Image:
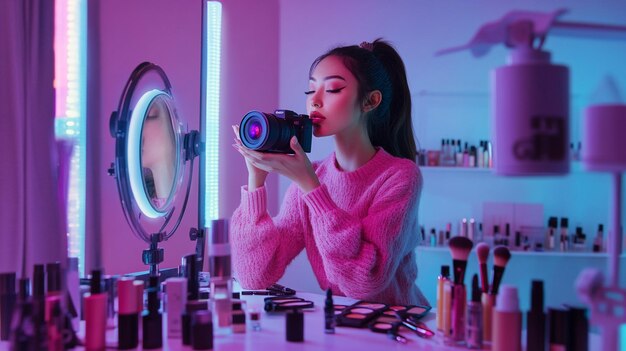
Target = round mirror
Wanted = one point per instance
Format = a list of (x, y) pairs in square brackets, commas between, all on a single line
[(149, 154)]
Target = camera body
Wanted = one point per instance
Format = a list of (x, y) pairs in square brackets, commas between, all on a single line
[(271, 132)]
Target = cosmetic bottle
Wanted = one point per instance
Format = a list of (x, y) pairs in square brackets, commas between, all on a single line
[(497, 237), (564, 235), (598, 242), (471, 230), (551, 235), (447, 308), (176, 297), (441, 281), (152, 321), (294, 325), (459, 154), (221, 280), (254, 318), (507, 321), (54, 323), (466, 156), (329, 313), (558, 329), (72, 281), (536, 319), (39, 303), (472, 156), (8, 299), (474, 328), (239, 318), (193, 304), (202, 331), (457, 316), (22, 336), (110, 285), (489, 154), (95, 314), (53, 275), (127, 317), (488, 302), (480, 159), (579, 240), (433, 237), (463, 227), (578, 327), (506, 241)]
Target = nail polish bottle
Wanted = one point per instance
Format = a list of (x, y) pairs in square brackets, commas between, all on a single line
[(95, 314)]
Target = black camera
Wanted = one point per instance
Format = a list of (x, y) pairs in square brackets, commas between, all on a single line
[(271, 132)]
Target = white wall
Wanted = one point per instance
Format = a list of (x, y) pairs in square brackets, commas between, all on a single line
[(420, 28)]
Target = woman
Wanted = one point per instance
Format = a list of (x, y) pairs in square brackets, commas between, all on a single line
[(354, 212)]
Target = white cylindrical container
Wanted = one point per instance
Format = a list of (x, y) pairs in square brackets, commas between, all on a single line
[(530, 115)]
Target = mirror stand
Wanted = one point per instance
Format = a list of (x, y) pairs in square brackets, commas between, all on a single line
[(154, 255)]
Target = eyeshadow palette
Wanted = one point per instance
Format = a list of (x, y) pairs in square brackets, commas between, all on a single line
[(280, 303), (361, 313)]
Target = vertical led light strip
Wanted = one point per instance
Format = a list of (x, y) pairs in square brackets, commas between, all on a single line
[(212, 123), (70, 83)]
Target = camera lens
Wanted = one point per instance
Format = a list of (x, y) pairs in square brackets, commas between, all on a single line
[(254, 130)]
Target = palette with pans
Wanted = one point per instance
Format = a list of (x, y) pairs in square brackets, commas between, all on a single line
[(359, 314)]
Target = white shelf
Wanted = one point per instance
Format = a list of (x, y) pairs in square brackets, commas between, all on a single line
[(445, 249), (455, 169)]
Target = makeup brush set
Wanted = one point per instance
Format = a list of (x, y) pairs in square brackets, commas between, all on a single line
[(463, 323)]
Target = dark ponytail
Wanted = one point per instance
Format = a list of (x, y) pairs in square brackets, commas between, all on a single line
[(377, 66)]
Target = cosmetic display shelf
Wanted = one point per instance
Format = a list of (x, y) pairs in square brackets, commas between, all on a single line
[(604, 255), (455, 169)]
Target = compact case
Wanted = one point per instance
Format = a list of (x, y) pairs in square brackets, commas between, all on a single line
[(281, 304)]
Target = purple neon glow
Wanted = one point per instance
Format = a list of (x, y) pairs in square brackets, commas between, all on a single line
[(254, 131)]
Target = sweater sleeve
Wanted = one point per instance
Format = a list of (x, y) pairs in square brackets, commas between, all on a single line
[(263, 246), (362, 255)]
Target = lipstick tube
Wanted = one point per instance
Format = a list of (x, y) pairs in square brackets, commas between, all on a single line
[(95, 314), (127, 317)]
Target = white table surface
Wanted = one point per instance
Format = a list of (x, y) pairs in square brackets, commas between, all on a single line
[(272, 334)]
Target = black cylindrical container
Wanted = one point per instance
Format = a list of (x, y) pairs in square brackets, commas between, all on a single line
[(578, 338), (153, 322), (8, 298), (536, 319), (558, 328), (191, 307), (202, 330), (295, 326)]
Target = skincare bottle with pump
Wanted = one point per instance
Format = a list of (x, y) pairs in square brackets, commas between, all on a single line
[(441, 281), (507, 321), (95, 314)]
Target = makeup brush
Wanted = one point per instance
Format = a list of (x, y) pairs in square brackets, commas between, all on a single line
[(482, 251), (501, 256), (460, 247)]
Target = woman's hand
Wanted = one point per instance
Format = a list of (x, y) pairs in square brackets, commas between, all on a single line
[(256, 176), (296, 167)]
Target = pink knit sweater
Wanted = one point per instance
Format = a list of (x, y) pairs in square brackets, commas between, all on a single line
[(359, 230)]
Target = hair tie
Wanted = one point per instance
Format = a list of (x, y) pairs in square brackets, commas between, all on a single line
[(367, 46)]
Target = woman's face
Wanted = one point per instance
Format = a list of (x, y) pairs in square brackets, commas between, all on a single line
[(332, 98)]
